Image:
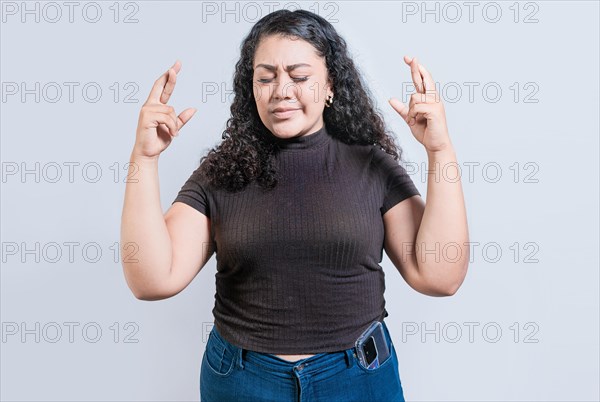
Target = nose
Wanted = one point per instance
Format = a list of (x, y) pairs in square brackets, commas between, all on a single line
[(285, 88)]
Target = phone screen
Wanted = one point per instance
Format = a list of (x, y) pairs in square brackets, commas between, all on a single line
[(370, 352), (371, 346)]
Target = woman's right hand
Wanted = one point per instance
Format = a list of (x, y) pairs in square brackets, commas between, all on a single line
[(158, 123)]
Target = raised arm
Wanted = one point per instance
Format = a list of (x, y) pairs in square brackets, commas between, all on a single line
[(160, 254), (428, 242)]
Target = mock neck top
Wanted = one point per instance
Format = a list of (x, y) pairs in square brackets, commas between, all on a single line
[(298, 267), (308, 141)]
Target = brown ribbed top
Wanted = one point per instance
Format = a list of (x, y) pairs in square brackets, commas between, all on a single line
[(298, 266)]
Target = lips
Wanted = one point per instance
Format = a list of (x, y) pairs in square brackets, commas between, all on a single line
[(283, 109), (284, 113)]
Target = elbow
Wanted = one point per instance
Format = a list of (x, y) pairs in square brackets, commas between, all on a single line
[(439, 291), (452, 288), (450, 291), (142, 295), (145, 289), (445, 291), (448, 286), (149, 296), (146, 293)]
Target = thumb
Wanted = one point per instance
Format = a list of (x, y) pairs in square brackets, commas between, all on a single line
[(399, 107), (186, 115)]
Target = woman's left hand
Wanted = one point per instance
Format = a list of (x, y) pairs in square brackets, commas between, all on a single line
[(425, 114)]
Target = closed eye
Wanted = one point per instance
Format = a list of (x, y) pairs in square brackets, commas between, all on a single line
[(298, 79)]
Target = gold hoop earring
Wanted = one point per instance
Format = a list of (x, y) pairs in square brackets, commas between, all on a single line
[(329, 100)]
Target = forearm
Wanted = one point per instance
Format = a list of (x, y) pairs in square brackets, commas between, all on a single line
[(442, 240), (145, 241)]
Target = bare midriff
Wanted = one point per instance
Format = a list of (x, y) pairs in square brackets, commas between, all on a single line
[(293, 358)]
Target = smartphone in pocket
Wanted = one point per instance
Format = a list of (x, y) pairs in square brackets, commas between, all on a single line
[(371, 346)]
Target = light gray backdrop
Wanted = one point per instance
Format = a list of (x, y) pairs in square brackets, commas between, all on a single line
[(520, 86)]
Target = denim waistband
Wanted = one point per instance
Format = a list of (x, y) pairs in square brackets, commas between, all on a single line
[(317, 363)]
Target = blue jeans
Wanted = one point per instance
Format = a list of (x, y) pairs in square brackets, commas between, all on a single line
[(231, 373)]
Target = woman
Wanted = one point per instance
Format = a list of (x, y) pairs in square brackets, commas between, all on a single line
[(298, 202)]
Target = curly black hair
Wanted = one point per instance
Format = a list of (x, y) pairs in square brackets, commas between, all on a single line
[(245, 154)]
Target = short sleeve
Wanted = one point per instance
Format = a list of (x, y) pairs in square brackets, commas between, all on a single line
[(194, 193), (397, 184)]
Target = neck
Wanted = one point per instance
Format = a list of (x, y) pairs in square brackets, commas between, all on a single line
[(307, 141)]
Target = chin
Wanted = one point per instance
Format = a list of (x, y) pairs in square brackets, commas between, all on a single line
[(286, 128)]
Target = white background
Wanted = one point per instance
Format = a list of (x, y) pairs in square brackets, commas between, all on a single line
[(541, 292)]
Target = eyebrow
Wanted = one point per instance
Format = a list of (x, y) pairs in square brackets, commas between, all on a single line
[(288, 68)]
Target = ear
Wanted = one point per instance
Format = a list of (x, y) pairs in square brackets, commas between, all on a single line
[(329, 86)]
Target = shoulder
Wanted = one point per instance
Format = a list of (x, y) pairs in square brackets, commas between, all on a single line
[(380, 157), (385, 163), (372, 156), (199, 182), (363, 153)]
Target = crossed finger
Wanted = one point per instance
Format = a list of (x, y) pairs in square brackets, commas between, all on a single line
[(163, 87), (421, 77)]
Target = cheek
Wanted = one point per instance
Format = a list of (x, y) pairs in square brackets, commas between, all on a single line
[(311, 104), (262, 101), (315, 97), (258, 97), (261, 93)]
